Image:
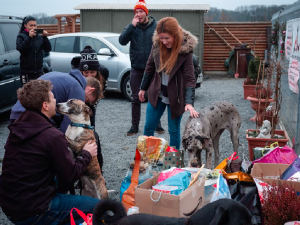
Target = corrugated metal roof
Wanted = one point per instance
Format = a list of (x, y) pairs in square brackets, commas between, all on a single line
[(117, 6)]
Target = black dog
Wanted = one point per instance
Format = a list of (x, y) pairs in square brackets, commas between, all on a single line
[(221, 212)]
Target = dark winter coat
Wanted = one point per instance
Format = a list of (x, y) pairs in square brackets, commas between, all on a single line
[(31, 49), (182, 82), (36, 152), (140, 42)]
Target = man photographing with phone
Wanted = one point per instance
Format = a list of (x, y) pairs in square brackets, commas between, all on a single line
[(31, 42)]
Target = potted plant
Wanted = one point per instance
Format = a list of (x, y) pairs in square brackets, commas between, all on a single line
[(270, 92), (253, 78), (281, 204)]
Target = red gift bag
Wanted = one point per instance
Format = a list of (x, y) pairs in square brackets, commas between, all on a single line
[(87, 218)]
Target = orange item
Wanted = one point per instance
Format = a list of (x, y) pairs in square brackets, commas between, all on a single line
[(128, 195), (238, 176)]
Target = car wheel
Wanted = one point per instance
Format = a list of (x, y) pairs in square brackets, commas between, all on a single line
[(126, 89)]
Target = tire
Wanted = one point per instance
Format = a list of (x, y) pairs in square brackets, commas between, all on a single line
[(126, 89)]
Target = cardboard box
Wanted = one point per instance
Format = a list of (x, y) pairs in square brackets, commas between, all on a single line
[(271, 172), (183, 205)]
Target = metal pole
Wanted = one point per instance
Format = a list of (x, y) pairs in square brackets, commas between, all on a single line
[(297, 138)]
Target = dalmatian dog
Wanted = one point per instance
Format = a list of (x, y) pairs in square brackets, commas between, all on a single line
[(204, 132)]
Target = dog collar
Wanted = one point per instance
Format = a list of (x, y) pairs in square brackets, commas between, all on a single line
[(82, 125)]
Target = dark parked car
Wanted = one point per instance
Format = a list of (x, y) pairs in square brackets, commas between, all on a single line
[(10, 61)]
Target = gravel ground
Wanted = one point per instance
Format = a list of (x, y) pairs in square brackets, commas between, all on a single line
[(114, 120)]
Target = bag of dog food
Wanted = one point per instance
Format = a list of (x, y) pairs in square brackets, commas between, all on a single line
[(151, 148)]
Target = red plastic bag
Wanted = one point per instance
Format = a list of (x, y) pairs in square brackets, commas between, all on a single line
[(284, 155), (168, 173), (87, 218)]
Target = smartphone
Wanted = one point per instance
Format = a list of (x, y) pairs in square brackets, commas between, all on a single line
[(39, 31)]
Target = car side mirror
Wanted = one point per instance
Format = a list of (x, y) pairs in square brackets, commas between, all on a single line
[(105, 51)]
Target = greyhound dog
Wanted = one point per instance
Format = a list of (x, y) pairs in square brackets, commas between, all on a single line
[(78, 133), (204, 132)]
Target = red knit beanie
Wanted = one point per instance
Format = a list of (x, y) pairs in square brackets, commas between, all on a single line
[(141, 4)]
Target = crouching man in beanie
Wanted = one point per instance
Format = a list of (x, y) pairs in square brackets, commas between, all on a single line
[(36, 153), (139, 32)]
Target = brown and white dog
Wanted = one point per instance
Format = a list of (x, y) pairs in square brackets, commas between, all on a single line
[(92, 180), (204, 132)]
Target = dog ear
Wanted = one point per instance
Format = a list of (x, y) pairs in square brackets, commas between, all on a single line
[(220, 217), (88, 110)]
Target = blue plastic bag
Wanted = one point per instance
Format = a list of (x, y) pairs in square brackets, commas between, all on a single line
[(222, 190), (175, 184), (292, 170)]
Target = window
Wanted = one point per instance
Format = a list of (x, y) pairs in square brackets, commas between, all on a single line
[(94, 43), (64, 44), (52, 42), (10, 33), (2, 49), (115, 41)]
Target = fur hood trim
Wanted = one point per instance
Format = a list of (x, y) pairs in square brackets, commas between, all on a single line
[(189, 41)]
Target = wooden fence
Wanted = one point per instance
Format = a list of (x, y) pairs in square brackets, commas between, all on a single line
[(219, 40)]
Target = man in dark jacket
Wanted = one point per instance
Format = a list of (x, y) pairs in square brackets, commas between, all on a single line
[(36, 153), (139, 32), (72, 85)]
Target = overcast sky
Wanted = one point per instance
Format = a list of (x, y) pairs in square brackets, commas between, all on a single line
[(52, 7)]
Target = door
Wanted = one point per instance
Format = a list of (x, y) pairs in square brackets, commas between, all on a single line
[(10, 32), (7, 91), (62, 54), (110, 62)]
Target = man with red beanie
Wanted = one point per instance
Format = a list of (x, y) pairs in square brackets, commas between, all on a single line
[(139, 32)]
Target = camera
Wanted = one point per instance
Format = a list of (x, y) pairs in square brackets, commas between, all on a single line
[(39, 31)]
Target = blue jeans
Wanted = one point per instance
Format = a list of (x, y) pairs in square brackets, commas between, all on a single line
[(58, 211), (153, 116)]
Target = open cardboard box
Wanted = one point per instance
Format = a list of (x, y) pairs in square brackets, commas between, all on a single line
[(270, 173), (183, 205)]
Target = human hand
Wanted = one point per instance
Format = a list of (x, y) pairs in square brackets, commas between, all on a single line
[(193, 112), (45, 33), (91, 147), (142, 95), (135, 20), (32, 33)]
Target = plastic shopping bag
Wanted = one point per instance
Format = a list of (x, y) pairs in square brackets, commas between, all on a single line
[(222, 189), (293, 171), (175, 184), (87, 218), (284, 155), (168, 173)]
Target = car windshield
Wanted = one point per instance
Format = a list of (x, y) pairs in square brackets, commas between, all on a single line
[(115, 41)]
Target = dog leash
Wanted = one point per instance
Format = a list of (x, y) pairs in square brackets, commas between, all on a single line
[(82, 125)]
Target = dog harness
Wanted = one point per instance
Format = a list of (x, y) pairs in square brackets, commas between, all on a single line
[(82, 125)]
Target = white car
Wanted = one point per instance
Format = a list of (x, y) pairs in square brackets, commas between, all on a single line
[(110, 54)]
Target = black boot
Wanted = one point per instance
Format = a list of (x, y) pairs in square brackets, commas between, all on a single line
[(159, 129), (133, 130)]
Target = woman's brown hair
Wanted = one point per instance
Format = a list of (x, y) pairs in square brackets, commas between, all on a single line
[(168, 57)]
